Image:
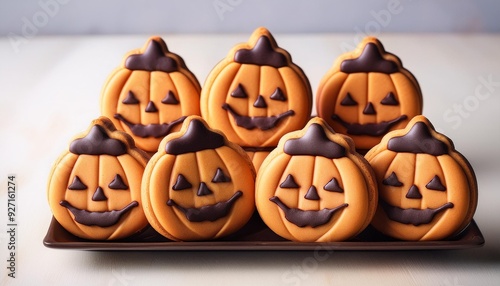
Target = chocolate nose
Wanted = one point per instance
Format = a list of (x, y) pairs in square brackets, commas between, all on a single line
[(151, 107), (260, 102), (413, 193), (369, 109), (312, 194), (99, 195), (203, 190)]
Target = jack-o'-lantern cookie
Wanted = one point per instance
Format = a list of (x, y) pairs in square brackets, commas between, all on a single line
[(368, 93), (256, 94), (198, 185), (314, 187), (150, 94), (94, 188), (427, 190)]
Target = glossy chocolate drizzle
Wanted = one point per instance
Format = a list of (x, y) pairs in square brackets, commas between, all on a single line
[(418, 140), (150, 130), (370, 129), (154, 58), (208, 212), (97, 142), (260, 122), (197, 138), (370, 60), (102, 219), (263, 54), (314, 143), (303, 218), (413, 216)]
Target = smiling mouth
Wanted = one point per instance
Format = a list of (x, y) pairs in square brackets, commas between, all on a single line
[(302, 218), (413, 216), (261, 122), (208, 212), (102, 219), (150, 130), (370, 129)]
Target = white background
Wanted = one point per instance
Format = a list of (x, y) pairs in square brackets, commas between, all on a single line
[(290, 16)]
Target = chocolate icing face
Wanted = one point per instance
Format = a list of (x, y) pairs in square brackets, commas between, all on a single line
[(260, 122), (413, 216), (302, 218), (370, 60), (196, 138), (97, 142), (418, 140), (370, 129), (149, 130), (263, 53), (102, 219), (314, 143), (207, 212), (153, 59)]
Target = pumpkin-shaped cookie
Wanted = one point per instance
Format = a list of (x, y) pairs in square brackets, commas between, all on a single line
[(314, 187), (256, 94), (427, 190), (198, 185), (94, 188), (150, 94), (367, 93)]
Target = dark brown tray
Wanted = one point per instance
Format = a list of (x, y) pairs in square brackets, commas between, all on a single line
[(255, 235)]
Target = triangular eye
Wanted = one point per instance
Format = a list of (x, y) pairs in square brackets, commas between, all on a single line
[(77, 184), (278, 95), (333, 186), (220, 177), (239, 92), (131, 99), (435, 184), (170, 98), (181, 183), (389, 99), (392, 180), (118, 184), (348, 100), (289, 183)]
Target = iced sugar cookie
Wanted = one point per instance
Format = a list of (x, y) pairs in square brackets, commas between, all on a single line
[(367, 93), (314, 187), (427, 190), (198, 185), (94, 188), (256, 94), (150, 94)]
